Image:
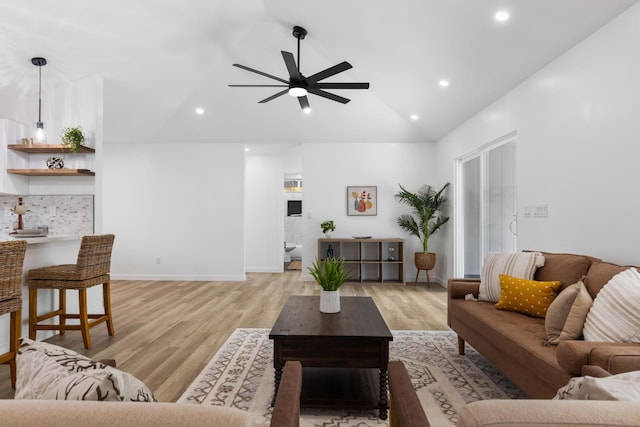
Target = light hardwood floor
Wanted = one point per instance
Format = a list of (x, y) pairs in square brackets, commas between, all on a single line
[(166, 332)]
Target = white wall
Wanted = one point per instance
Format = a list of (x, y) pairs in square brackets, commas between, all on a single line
[(264, 205), (577, 131), (182, 203), (330, 167)]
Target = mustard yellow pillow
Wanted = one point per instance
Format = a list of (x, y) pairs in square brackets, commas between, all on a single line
[(526, 296)]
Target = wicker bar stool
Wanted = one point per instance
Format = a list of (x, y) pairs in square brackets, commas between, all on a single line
[(11, 261), (92, 268)]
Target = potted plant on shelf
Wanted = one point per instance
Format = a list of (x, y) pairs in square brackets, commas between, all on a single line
[(72, 138), (425, 219), (328, 227), (330, 275)]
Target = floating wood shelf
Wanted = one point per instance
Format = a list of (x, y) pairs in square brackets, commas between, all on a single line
[(47, 148), (52, 172)]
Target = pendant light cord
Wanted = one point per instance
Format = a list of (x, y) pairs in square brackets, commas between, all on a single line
[(39, 94)]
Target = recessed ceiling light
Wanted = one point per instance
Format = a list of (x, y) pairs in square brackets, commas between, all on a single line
[(414, 117), (246, 149), (199, 111), (443, 83), (501, 16)]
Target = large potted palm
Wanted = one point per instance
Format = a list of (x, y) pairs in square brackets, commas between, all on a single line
[(425, 219)]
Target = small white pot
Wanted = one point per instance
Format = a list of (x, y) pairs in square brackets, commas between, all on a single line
[(329, 301)]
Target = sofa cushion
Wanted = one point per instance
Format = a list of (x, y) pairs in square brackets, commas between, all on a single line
[(615, 314), (567, 313), (566, 268), (526, 296), (599, 275), (521, 264), (625, 386), (50, 372)]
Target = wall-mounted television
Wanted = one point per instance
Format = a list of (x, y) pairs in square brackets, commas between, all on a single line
[(294, 207)]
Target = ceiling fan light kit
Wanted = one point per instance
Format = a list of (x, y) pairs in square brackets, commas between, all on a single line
[(300, 86)]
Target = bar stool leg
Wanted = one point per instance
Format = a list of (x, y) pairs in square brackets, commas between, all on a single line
[(106, 295), (62, 306), (84, 318), (33, 312), (14, 336)]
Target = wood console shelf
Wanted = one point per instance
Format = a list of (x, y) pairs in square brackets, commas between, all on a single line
[(367, 260), (47, 148)]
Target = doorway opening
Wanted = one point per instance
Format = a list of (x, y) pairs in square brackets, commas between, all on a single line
[(293, 221)]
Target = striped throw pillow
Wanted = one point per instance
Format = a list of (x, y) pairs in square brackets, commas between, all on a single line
[(615, 314), (521, 264)]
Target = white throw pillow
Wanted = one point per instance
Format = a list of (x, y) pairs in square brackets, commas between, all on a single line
[(522, 265), (50, 372), (625, 386), (615, 314)]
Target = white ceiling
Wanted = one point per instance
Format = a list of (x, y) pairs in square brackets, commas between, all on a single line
[(161, 59)]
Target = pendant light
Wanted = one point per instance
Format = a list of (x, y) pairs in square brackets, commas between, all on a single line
[(40, 135)]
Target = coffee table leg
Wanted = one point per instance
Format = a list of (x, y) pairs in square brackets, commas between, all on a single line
[(276, 384), (384, 402)]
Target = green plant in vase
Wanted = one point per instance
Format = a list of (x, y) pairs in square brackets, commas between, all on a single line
[(328, 227), (330, 275), (73, 138)]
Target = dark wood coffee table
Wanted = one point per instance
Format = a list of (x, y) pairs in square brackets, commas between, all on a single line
[(338, 352)]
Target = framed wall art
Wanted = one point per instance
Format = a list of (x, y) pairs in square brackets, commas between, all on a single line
[(362, 200)]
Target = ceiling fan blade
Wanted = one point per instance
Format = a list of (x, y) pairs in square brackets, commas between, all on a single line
[(261, 73), (273, 96), (328, 95), (343, 66), (304, 102), (290, 62), (258, 85), (341, 85)]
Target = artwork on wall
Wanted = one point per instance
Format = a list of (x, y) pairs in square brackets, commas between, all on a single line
[(362, 200)]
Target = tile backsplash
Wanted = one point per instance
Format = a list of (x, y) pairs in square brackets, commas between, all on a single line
[(63, 214)]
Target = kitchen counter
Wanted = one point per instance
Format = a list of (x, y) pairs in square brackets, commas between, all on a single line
[(42, 252), (46, 239)]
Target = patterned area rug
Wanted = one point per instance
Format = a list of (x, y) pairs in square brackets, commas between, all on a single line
[(240, 375)]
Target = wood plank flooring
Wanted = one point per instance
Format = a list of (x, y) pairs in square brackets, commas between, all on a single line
[(166, 332)]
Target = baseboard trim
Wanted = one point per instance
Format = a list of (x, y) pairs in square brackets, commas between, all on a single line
[(169, 277)]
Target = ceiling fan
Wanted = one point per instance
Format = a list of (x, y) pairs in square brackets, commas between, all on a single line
[(298, 85)]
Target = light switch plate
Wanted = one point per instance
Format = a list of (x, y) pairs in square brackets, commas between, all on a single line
[(527, 211), (541, 210)]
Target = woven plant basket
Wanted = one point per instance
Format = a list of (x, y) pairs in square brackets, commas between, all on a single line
[(424, 261)]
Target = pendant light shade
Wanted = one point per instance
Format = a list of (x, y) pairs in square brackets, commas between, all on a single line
[(40, 135)]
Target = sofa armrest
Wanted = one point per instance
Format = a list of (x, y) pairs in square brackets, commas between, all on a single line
[(594, 371), (517, 412), (617, 359), (405, 409), (572, 355), (458, 288), (286, 410)]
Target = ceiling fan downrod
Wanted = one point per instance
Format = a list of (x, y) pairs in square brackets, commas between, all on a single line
[(299, 33)]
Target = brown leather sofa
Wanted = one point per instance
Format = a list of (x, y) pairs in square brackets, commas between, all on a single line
[(513, 341)]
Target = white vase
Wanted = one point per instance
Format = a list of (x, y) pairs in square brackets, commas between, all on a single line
[(329, 301)]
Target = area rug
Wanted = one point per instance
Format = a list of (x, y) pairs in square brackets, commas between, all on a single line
[(240, 375)]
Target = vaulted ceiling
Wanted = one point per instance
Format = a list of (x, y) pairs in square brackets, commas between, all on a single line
[(162, 59)]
